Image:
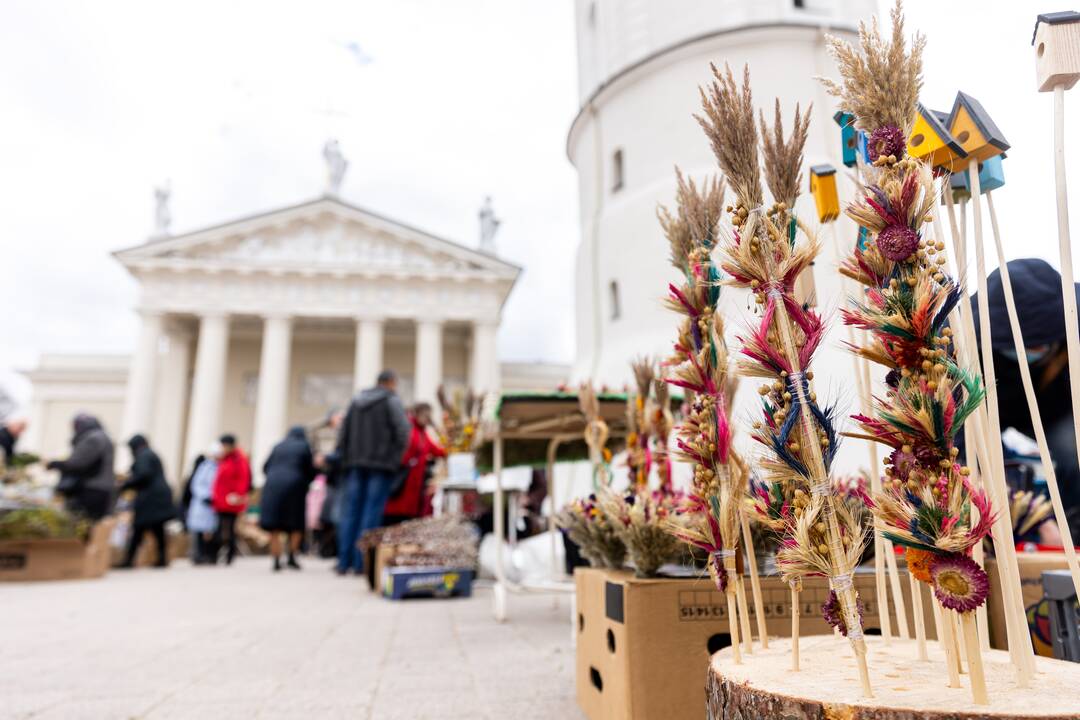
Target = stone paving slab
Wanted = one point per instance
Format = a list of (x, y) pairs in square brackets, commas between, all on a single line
[(242, 642)]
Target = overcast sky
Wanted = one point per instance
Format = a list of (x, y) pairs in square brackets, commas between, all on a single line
[(436, 103)]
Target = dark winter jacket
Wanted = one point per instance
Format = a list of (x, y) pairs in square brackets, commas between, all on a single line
[(90, 465), (7, 445), (289, 471), (1037, 289), (153, 498), (375, 432)]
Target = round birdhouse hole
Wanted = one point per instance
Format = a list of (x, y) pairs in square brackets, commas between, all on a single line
[(580, 623), (917, 139), (610, 641), (1041, 49), (851, 141), (963, 136)]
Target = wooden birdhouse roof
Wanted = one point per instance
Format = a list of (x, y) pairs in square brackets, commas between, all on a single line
[(938, 122), (981, 118), (1055, 18), (823, 169), (843, 118)]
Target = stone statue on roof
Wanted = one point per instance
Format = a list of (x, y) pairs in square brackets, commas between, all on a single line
[(489, 225), (162, 216), (336, 165)]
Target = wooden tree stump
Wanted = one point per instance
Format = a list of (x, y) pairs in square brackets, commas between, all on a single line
[(905, 688)]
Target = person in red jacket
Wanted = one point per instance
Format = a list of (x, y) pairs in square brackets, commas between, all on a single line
[(412, 500), (231, 486)]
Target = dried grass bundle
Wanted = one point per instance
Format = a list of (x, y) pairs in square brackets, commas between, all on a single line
[(641, 520), (783, 159), (880, 82), (461, 419), (728, 121), (596, 537), (661, 421), (596, 434), (639, 459)]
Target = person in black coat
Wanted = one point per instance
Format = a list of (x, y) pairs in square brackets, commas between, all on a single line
[(9, 435), (153, 500), (87, 481), (1039, 307), (289, 471)]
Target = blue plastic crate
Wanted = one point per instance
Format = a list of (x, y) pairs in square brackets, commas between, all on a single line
[(399, 583)]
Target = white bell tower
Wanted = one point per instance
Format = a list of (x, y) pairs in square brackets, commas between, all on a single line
[(640, 63)]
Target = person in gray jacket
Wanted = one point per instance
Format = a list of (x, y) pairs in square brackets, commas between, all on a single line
[(87, 481), (371, 442)]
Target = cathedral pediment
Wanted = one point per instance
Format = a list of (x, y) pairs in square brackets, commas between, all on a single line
[(324, 235)]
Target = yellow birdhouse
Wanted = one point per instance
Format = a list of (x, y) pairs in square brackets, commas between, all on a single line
[(1057, 49), (973, 128), (823, 188), (931, 139)]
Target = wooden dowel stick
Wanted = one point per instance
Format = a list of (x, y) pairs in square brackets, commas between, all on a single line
[(897, 591), (755, 582), (794, 627), (1033, 403), (948, 643), (920, 621), (958, 633), (992, 461), (975, 663), (939, 630), (862, 381), (733, 625), (744, 614)]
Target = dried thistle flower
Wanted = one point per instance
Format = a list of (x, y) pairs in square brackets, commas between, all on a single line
[(728, 121), (783, 160), (880, 82)]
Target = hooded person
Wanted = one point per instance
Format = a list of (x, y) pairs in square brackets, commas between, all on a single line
[(289, 471), (1041, 312), (371, 441), (201, 520), (87, 481), (153, 506)]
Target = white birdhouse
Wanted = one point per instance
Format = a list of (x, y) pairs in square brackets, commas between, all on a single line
[(1057, 49)]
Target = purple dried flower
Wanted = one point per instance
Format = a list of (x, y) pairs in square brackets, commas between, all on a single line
[(885, 141), (959, 583), (897, 242), (833, 613)]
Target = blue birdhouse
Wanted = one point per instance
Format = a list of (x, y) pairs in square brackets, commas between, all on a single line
[(864, 146), (864, 239), (848, 140), (959, 186), (991, 174)]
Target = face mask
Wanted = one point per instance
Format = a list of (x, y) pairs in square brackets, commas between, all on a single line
[(1033, 356)]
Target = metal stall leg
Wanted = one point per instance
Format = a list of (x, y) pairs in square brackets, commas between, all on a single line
[(499, 528)]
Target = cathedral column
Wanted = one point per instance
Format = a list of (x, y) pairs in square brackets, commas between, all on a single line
[(272, 401), (139, 397), (483, 361), (429, 364), (171, 408), (369, 352), (208, 386)]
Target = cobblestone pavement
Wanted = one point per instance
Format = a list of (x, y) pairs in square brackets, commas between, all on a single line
[(241, 642)]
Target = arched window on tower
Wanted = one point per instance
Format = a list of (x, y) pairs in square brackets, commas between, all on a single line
[(613, 296), (617, 170)]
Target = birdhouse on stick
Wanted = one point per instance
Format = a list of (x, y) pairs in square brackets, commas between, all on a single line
[(848, 139), (823, 188), (974, 129), (1057, 49), (931, 139)]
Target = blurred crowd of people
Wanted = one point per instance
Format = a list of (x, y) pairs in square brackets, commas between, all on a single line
[(377, 473)]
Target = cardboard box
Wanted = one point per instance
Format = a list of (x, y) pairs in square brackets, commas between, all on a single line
[(1031, 567), (399, 583), (59, 559), (643, 645)]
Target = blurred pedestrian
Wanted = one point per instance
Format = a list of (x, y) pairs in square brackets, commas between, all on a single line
[(413, 499), (330, 512), (371, 442), (153, 505), (87, 481), (202, 521), (9, 435), (232, 482), (289, 471)]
